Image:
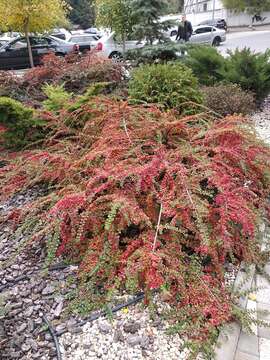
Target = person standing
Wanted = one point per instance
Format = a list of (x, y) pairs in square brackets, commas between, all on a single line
[(185, 30)]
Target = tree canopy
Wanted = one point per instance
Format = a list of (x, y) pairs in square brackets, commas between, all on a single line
[(82, 13), (251, 6), (146, 14), (115, 15), (28, 16), (35, 15)]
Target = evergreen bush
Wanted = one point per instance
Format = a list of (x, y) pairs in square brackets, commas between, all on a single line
[(57, 97), (171, 85), (249, 70), (20, 126), (160, 53), (206, 63)]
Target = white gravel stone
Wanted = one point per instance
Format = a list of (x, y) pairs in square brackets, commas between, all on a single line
[(149, 342)]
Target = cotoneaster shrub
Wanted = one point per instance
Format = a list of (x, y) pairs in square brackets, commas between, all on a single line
[(110, 183), (74, 73), (228, 99), (171, 85)]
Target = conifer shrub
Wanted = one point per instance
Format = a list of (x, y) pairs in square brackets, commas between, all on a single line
[(173, 86), (206, 63), (146, 200), (57, 97), (161, 53), (228, 99), (20, 126), (249, 70)]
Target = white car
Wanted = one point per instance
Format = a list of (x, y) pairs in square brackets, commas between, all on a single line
[(111, 48)]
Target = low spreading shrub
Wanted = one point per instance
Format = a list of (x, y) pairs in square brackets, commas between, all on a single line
[(228, 99), (206, 63), (249, 70), (20, 126), (170, 85), (57, 97), (147, 200), (160, 53)]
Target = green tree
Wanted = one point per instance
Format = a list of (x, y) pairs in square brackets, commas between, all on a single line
[(27, 16), (82, 13), (117, 16), (146, 14), (175, 6), (253, 7)]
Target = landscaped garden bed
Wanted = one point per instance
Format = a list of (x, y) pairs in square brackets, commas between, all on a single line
[(135, 187)]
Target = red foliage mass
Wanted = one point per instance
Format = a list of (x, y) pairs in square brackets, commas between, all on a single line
[(206, 179)]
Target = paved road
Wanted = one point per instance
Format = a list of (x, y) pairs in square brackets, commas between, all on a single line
[(258, 41)]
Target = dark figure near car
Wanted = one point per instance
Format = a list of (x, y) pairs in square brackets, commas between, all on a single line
[(185, 30), (257, 18)]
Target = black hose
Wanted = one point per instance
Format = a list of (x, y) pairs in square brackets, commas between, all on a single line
[(54, 336), (139, 297)]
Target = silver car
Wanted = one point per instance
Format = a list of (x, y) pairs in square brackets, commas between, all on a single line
[(208, 35), (204, 34)]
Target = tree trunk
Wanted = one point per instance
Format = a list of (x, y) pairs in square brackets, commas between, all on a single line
[(26, 31)]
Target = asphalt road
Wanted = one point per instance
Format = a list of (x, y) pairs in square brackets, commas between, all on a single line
[(258, 41)]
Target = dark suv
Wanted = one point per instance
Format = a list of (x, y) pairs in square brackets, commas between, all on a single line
[(14, 54), (218, 23)]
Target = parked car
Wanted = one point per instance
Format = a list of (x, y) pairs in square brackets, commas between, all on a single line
[(14, 54), (208, 35), (218, 23), (3, 42), (111, 48), (62, 34), (85, 41)]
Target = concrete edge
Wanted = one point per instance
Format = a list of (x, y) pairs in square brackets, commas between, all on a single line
[(229, 336)]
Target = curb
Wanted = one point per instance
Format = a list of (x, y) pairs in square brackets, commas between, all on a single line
[(229, 337)]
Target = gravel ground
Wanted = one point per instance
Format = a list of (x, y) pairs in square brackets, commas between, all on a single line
[(133, 334), (262, 121)]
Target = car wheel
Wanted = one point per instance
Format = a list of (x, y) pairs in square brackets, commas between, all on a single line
[(116, 56), (216, 41), (173, 33)]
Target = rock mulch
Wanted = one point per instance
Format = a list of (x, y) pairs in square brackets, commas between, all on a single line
[(262, 121), (131, 335), (23, 303)]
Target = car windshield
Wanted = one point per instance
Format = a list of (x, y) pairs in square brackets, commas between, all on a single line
[(58, 40)]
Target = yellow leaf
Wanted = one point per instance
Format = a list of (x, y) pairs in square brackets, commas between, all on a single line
[(252, 297)]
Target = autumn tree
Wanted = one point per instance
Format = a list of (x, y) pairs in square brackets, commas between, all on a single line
[(115, 15), (32, 16)]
